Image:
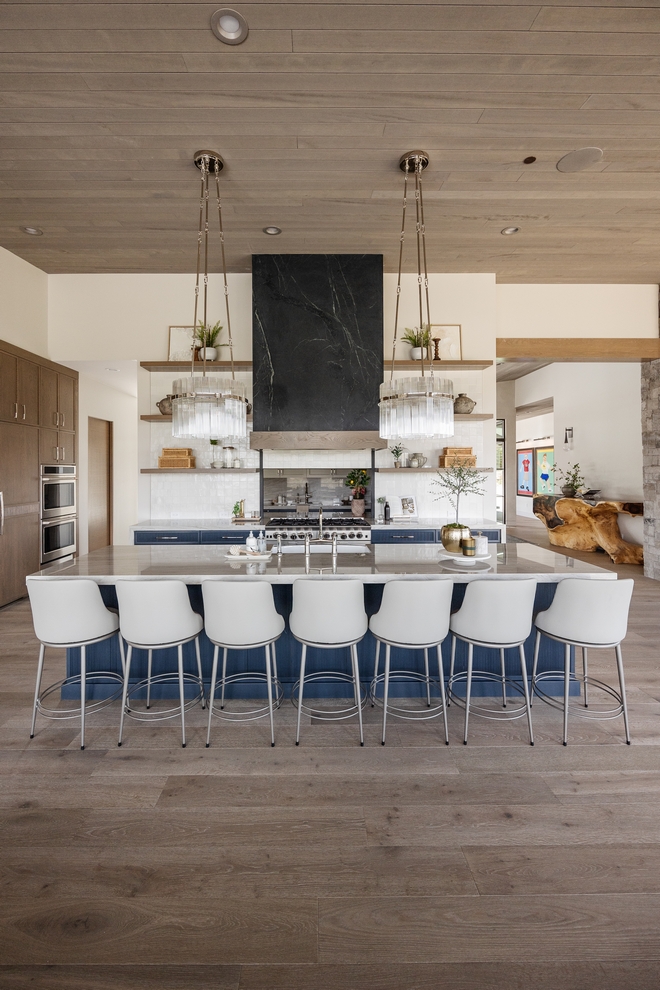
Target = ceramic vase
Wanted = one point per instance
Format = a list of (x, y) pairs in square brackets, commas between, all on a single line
[(357, 506), (568, 491), (165, 406), (208, 353), (463, 404), (416, 353)]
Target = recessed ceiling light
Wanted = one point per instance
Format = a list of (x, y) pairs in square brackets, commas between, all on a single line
[(510, 230), (529, 160), (35, 231), (272, 230), (229, 26), (112, 369), (575, 161)]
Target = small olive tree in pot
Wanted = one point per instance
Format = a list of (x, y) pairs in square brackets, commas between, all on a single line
[(454, 482)]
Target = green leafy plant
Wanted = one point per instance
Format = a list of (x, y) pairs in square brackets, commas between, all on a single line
[(572, 476), (236, 511), (357, 479), (207, 335), (213, 443), (381, 500), (455, 482), (396, 451), (417, 337)]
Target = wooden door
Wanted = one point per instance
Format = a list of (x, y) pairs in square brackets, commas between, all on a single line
[(19, 552), (27, 392), (19, 464), (7, 388), (99, 483), (66, 402), (48, 408)]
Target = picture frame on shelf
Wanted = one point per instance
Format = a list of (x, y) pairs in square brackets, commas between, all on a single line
[(544, 470), (525, 473), (403, 507), (450, 346), (180, 343)]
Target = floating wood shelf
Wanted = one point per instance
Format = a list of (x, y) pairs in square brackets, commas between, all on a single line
[(225, 366), (159, 418), (439, 366), (466, 417), (424, 470), (218, 471), (213, 367)]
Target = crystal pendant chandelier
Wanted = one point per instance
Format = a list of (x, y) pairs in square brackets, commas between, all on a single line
[(420, 407), (209, 406)]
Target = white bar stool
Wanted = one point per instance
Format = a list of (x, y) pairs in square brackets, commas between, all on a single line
[(157, 615), (328, 615), (496, 615), (589, 614), (70, 614), (241, 615), (413, 615)]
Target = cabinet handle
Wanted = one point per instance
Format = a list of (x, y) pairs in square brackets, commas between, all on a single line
[(62, 415), (63, 453), (23, 410), (16, 410), (56, 419), (166, 537), (56, 453), (408, 536), (2, 513)]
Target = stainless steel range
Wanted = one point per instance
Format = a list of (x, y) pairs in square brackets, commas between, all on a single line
[(296, 528)]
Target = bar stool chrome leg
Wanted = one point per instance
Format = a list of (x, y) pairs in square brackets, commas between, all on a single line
[(303, 661), (585, 675), (40, 673), (622, 688)]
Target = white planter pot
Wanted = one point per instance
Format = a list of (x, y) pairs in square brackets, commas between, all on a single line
[(416, 353), (210, 353)]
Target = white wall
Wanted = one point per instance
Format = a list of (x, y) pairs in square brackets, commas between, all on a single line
[(127, 316), (577, 310), (120, 409), (602, 402), (23, 304)]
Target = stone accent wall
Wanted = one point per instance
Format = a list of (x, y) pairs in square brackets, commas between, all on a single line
[(651, 455)]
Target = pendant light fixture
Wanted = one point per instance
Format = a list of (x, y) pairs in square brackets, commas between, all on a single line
[(209, 407), (421, 407)]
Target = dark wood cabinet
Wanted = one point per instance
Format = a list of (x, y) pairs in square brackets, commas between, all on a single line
[(48, 410), (7, 388), (19, 464), (27, 392), (66, 388), (19, 551), (19, 390), (38, 423)]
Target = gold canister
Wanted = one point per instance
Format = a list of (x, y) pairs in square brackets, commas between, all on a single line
[(468, 545)]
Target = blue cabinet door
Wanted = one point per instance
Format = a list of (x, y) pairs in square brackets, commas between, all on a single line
[(167, 537), (215, 537), (403, 536)]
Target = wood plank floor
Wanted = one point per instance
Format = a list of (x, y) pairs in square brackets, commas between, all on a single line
[(329, 867)]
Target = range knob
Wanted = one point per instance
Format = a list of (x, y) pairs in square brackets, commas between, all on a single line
[(293, 536), (351, 535), (343, 536)]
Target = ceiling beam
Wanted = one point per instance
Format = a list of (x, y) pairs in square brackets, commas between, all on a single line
[(592, 349)]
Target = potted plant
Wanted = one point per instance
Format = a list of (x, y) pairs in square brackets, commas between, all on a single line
[(453, 483), (419, 340), (396, 452), (357, 480), (573, 480), (207, 337), (381, 508)]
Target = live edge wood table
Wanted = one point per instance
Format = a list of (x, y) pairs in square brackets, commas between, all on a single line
[(579, 525), (375, 566)]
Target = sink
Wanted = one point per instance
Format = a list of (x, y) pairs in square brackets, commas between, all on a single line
[(325, 548)]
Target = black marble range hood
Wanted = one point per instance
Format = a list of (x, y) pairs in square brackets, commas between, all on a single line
[(317, 345)]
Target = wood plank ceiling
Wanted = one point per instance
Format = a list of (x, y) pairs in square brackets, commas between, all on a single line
[(103, 104)]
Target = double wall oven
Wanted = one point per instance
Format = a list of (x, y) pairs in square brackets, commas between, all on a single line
[(58, 509)]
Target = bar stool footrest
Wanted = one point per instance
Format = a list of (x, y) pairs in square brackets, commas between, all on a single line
[(330, 715), (91, 706), (504, 714), (411, 714), (160, 714), (575, 709), (251, 715)]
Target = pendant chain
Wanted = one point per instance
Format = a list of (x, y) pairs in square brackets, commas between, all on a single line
[(398, 281), (199, 262), (224, 273)]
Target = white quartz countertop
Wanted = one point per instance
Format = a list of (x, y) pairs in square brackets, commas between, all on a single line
[(376, 565), (176, 525)]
